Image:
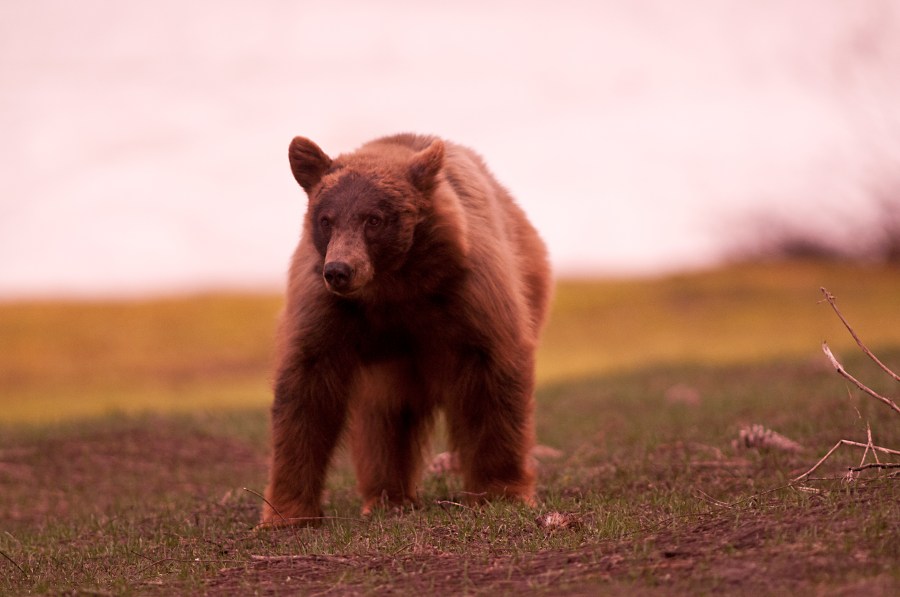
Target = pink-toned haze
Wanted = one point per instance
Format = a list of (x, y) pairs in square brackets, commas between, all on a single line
[(145, 143)]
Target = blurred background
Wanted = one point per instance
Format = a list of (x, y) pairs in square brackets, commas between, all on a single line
[(145, 143)]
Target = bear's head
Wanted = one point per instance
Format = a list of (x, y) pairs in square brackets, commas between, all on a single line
[(364, 208)]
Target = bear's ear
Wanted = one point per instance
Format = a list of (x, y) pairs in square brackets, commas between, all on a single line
[(425, 165), (308, 162)]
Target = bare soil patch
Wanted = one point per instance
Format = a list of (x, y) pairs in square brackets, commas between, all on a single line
[(757, 549), (144, 462), (656, 498)]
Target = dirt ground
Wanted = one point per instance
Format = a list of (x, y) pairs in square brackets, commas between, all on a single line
[(746, 548), (721, 554)]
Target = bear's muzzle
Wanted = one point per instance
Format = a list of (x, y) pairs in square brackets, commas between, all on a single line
[(338, 276)]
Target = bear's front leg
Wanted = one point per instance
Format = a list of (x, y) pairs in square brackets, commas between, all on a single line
[(308, 415), (489, 414)]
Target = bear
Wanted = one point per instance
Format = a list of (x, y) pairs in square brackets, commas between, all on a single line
[(418, 286)]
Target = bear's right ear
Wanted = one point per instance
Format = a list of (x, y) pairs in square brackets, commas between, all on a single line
[(308, 162), (426, 165)]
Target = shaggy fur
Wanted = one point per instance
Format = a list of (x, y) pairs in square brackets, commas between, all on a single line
[(417, 285)]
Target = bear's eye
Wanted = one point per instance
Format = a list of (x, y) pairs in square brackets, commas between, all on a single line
[(325, 222), (373, 222)]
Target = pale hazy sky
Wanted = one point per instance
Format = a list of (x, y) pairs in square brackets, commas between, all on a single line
[(145, 143)]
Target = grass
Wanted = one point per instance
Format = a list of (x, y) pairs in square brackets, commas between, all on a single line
[(151, 500), (64, 360), (752, 312), (68, 360)]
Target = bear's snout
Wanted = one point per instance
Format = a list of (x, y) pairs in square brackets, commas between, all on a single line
[(337, 275)]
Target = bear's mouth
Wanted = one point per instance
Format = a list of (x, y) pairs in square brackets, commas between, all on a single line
[(345, 292)]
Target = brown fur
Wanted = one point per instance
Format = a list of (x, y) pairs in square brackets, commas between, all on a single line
[(435, 289)]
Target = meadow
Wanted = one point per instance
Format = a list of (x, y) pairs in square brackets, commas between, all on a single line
[(133, 445)]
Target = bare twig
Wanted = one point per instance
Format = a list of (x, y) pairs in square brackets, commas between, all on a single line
[(14, 563), (294, 519), (270, 504), (274, 509), (844, 442), (862, 445), (287, 521), (856, 469), (292, 557), (261, 558), (869, 445), (818, 464), (830, 298), (443, 503), (706, 497), (853, 472), (653, 527), (154, 563), (806, 489), (140, 555), (843, 373), (288, 558)]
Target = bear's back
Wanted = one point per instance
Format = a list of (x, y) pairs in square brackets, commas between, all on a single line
[(488, 208), (497, 229)]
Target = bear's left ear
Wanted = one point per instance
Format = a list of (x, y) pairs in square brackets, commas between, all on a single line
[(426, 165), (308, 162)]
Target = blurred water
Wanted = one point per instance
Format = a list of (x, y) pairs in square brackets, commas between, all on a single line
[(145, 142)]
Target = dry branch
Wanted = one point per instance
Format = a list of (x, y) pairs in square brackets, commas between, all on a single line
[(869, 445), (845, 442), (14, 563), (274, 509), (443, 503), (843, 373), (856, 469), (830, 298)]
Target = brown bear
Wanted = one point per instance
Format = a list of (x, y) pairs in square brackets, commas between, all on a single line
[(418, 285)]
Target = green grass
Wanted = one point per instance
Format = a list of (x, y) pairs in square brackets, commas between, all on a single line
[(151, 498), (134, 503)]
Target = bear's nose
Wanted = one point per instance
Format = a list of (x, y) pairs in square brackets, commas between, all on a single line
[(337, 274)]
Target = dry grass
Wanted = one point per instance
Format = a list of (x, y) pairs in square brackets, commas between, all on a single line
[(744, 313), (64, 360), (60, 361)]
